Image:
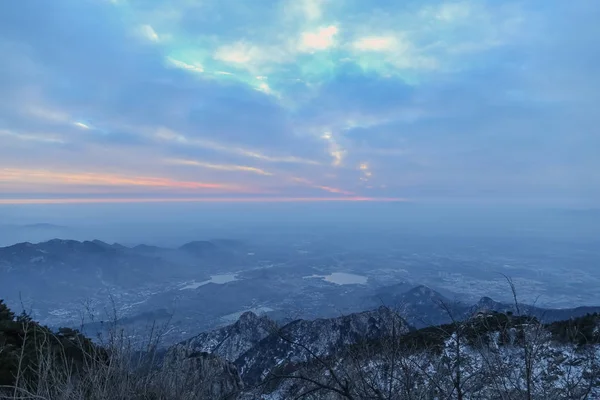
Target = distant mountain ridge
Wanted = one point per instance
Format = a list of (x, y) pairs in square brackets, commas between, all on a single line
[(71, 272), (144, 278), (424, 306), (110, 261), (197, 245), (211, 247)]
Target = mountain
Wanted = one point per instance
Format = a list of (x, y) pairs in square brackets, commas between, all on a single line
[(317, 338), (229, 342), (70, 282), (423, 306), (80, 278), (487, 357), (368, 355), (203, 285), (146, 249), (256, 346), (212, 247), (546, 315), (364, 355), (199, 247), (111, 264), (72, 261)]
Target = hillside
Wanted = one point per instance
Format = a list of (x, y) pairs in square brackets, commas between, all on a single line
[(374, 354), (489, 355), (26, 346), (424, 307)]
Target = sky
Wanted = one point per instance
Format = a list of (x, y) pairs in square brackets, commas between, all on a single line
[(128, 101)]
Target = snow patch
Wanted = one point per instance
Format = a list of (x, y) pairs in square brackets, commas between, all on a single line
[(236, 315), (341, 278)]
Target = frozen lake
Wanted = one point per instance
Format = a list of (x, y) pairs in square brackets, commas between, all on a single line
[(341, 278), (218, 279)]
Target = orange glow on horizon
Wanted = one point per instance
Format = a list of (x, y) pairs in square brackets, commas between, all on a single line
[(200, 200), (96, 179)]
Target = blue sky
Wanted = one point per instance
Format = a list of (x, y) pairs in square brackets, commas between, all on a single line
[(301, 100)]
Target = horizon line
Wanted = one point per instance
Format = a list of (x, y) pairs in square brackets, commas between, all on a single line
[(116, 200)]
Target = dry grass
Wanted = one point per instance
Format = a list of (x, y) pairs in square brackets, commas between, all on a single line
[(116, 367)]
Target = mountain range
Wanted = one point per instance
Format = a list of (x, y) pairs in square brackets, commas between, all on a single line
[(76, 276), (205, 284), (423, 306), (396, 337), (268, 361)]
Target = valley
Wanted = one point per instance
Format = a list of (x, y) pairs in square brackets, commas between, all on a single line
[(206, 284)]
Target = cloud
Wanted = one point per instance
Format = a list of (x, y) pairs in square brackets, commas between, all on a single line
[(396, 52), (189, 67), (329, 189), (45, 177), (171, 136), (43, 138), (321, 39), (365, 171), (430, 96), (273, 159), (376, 43), (335, 150), (312, 9), (105, 200), (148, 32), (81, 125), (219, 167), (452, 12), (307, 11), (238, 53), (51, 115), (251, 57), (265, 88)]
